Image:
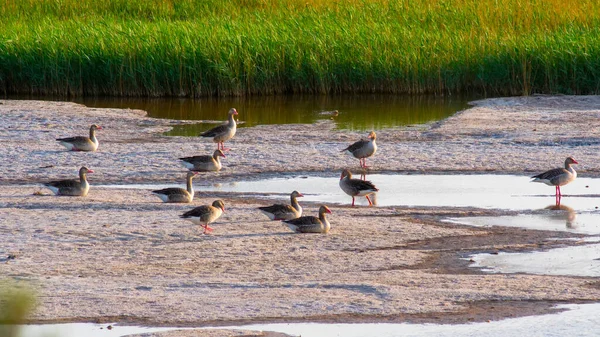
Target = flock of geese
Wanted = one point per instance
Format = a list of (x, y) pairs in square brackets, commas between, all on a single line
[(290, 214)]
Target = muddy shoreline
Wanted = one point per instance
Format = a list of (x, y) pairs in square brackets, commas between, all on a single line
[(120, 255)]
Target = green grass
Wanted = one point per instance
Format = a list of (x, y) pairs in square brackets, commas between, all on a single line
[(226, 47), (16, 304)]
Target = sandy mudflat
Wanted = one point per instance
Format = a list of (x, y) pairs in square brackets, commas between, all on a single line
[(120, 255)]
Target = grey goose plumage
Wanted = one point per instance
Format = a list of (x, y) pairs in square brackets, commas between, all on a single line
[(177, 194), (558, 177), (356, 187), (204, 163), (223, 132), (282, 211), (363, 149), (311, 224), (205, 214), (78, 188), (80, 143)]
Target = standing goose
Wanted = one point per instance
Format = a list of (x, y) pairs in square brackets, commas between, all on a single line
[(558, 177), (204, 163), (78, 188), (80, 143), (311, 224), (177, 194), (204, 215), (356, 187), (284, 212), (223, 132), (363, 149)]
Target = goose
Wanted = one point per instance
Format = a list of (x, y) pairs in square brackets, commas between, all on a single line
[(177, 194), (204, 163), (80, 143), (284, 212), (205, 214), (356, 187), (558, 177), (78, 188), (311, 224), (223, 132), (363, 149)]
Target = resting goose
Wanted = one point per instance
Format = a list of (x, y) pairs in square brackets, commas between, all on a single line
[(558, 177), (311, 224), (80, 143), (204, 215), (356, 187), (284, 212), (78, 188), (223, 132), (363, 149), (177, 194), (204, 163)]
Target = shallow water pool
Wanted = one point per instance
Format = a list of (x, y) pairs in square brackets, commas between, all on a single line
[(578, 320), (508, 192)]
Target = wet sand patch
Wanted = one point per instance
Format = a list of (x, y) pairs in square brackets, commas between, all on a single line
[(122, 254)]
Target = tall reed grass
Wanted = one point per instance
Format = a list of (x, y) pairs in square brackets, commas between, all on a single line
[(243, 47)]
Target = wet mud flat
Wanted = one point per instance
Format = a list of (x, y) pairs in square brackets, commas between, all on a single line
[(123, 256)]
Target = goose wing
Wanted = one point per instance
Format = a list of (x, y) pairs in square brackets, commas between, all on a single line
[(215, 131), (356, 146), (551, 174)]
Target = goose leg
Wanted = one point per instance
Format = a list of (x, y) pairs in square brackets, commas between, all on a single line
[(369, 200), (206, 229), (352, 201)]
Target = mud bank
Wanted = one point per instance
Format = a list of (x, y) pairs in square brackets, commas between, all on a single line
[(120, 255)]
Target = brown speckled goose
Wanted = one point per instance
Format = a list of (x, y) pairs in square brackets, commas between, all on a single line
[(177, 194), (284, 212), (80, 143), (223, 132), (78, 188), (363, 149), (204, 163), (356, 187), (311, 224), (204, 215), (558, 176)]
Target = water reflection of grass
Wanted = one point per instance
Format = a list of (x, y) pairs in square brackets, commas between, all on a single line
[(222, 47), (16, 303)]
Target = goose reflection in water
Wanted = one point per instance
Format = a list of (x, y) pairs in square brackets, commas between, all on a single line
[(565, 213)]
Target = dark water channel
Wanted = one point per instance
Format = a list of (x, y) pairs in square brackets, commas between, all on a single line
[(355, 112)]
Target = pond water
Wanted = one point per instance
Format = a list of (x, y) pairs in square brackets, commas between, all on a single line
[(552, 218), (489, 191), (569, 261), (578, 320), (356, 112)]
